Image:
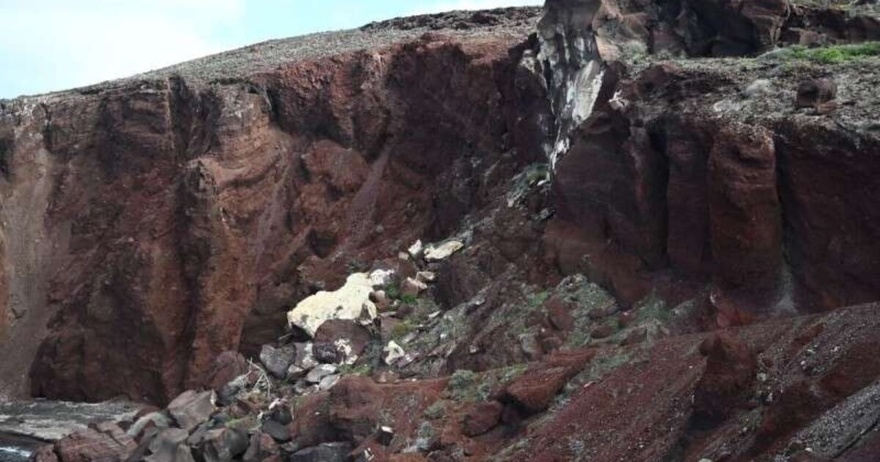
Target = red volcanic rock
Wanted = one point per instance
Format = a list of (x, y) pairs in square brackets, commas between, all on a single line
[(45, 453), (726, 384), (338, 329), (534, 391), (559, 313), (104, 443), (227, 366), (355, 405), (603, 331), (482, 417), (181, 214)]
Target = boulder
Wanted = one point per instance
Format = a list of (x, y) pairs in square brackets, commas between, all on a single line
[(107, 443), (355, 407), (337, 329), (559, 313), (156, 420), (412, 287), (534, 391), (192, 408), (382, 278), (482, 417), (442, 251), (393, 352), (815, 92), (277, 360), (416, 250), (224, 445), (170, 446), (262, 448), (328, 382), (276, 430), (227, 366), (351, 302), (426, 276), (45, 453)]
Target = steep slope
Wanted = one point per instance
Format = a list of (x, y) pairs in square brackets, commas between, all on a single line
[(662, 218), (158, 221)]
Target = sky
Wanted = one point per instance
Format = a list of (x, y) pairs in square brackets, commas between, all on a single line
[(49, 45)]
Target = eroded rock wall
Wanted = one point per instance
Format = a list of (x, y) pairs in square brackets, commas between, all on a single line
[(688, 168), (151, 225)]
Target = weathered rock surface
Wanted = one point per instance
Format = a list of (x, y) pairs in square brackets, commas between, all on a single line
[(156, 222), (350, 302), (628, 240)]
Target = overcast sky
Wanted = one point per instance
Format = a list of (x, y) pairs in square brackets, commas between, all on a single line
[(48, 45)]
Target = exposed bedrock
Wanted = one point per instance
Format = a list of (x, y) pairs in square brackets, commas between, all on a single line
[(150, 225), (682, 170)]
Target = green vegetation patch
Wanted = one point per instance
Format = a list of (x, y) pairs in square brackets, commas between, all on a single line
[(833, 54)]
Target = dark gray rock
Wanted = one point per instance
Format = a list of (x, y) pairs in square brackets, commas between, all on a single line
[(276, 430), (327, 452), (192, 408), (224, 445), (277, 360), (326, 353), (169, 446)]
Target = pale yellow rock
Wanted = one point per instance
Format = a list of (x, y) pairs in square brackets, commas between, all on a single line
[(350, 302), (442, 251)]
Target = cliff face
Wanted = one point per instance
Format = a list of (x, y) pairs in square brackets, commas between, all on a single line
[(708, 167), (151, 224), (653, 209)]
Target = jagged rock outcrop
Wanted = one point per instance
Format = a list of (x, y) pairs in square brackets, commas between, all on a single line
[(678, 167)]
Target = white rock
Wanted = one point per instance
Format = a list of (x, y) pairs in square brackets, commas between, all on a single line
[(305, 358), (319, 372), (328, 382), (393, 352), (350, 302), (426, 276), (443, 251), (416, 249), (343, 345), (381, 278)]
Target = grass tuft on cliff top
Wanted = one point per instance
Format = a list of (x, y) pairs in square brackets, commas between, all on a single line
[(833, 54)]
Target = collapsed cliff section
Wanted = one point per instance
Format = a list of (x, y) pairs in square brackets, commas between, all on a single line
[(152, 223)]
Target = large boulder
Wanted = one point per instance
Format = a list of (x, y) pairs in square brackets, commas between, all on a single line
[(104, 442), (170, 446), (349, 302), (192, 408), (278, 360)]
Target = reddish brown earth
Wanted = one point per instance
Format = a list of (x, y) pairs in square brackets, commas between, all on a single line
[(170, 219), (695, 279)]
